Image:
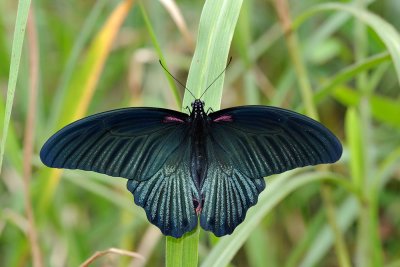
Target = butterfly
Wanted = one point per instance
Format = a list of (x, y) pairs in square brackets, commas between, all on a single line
[(206, 167)]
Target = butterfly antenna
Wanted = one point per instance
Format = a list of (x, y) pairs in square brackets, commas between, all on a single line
[(219, 75), (175, 78)]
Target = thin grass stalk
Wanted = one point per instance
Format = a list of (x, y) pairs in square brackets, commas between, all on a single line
[(18, 40), (29, 137), (176, 14), (368, 251), (307, 96), (115, 251), (158, 49), (146, 246), (348, 73)]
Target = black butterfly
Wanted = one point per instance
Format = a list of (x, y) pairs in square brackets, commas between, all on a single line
[(183, 166)]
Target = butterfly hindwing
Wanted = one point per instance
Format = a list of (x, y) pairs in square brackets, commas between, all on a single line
[(262, 140), (133, 142), (167, 197), (228, 193)]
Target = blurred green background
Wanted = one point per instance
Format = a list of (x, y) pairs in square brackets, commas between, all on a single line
[(346, 53)]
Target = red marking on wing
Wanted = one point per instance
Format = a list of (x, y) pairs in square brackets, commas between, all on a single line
[(198, 210), (227, 118), (172, 119), (198, 206)]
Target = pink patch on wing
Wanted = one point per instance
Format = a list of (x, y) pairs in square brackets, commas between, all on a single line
[(172, 119), (198, 210), (227, 118)]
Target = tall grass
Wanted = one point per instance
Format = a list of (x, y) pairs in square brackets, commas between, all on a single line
[(339, 62)]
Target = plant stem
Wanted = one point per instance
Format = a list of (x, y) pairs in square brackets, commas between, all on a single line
[(29, 137), (368, 251)]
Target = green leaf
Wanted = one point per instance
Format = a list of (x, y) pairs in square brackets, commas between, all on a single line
[(349, 73), (4, 49), (383, 109), (353, 133), (217, 25), (13, 148), (182, 252), (19, 34)]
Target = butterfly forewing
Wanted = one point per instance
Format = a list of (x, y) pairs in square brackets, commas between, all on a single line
[(133, 143), (261, 141)]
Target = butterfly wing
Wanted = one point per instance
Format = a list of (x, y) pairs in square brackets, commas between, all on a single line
[(228, 193), (247, 143), (262, 140), (167, 196), (148, 146), (133, 142)]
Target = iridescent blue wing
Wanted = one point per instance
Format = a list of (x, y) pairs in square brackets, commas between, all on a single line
[(248, 143), (148, 146), (133, 143)]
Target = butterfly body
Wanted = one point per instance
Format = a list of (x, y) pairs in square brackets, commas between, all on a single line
[(203, 165), (198, 122)]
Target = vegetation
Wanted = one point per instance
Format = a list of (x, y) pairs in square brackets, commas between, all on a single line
[(338, 62)]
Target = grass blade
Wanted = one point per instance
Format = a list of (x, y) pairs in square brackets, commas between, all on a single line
[(353, 131), (348, 73), (217, 25), (159, 53), (12, 147), (383, 109), (19, 34)]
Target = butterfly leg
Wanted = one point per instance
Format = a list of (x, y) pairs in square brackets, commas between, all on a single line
[(187, 107), (209, 109)]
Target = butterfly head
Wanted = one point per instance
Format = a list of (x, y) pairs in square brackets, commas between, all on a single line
[(198, 108)]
